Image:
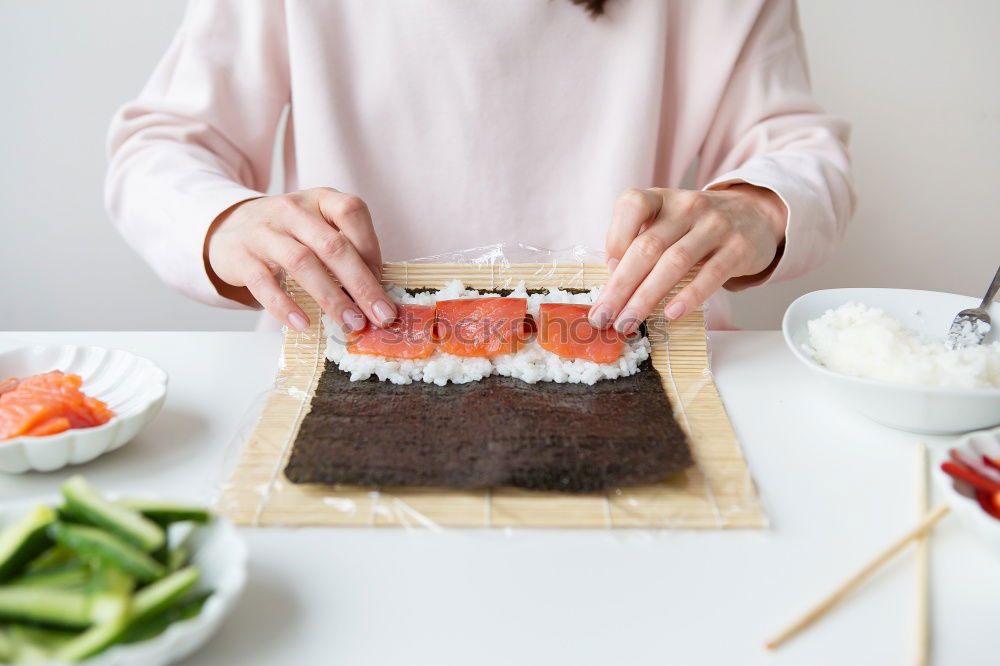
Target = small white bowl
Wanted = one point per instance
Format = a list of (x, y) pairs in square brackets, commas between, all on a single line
[(959, 495), (132, 386), (220, 552), (931, 410)]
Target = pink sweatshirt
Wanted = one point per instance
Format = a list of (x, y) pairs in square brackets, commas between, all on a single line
[(469, 122)]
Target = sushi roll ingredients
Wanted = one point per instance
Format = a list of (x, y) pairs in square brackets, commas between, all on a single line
[(481, 326), (565, 331), (410, 336)]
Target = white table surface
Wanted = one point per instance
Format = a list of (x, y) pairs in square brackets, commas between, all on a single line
[(836, 487)]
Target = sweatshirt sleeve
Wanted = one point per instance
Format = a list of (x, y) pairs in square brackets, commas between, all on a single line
[(769, 132), (199, 137)]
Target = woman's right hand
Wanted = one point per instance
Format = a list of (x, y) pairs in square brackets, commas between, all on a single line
[(308, 234)]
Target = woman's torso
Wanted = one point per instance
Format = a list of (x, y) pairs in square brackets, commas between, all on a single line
[(469, 122)]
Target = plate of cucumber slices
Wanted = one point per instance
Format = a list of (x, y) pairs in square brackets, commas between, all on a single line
[(113, 581)]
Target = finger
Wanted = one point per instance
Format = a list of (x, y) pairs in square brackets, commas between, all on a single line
[(302, 264), (640, 258), (350, 214), (360, 282), (323, 238), (334, 249), (672, 266), (260, 281), (633, 208), (713, 275)]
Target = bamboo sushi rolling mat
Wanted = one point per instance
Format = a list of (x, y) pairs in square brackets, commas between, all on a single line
[(718, 492)]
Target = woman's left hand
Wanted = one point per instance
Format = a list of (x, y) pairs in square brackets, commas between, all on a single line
[(658, 235)]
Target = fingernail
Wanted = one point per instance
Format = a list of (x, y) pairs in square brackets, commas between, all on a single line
[(384, 312), (601, 317), (298, 322), (675, 310), (353, 320), (612, 265), (627, 322)]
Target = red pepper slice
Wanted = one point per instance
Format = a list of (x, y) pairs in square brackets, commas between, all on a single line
[(970, 476), (988, 503), (959, 457)]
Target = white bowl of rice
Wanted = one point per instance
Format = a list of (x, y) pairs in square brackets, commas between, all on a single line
[(881, 351)]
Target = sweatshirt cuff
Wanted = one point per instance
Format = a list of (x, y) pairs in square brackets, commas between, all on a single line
[(210, 204), (801, 236)]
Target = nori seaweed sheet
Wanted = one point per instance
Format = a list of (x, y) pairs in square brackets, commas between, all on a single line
[(495, 432)]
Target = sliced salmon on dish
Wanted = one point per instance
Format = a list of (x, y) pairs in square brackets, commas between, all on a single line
[(51, 426), (47, 404), (20, 418), (410, 336), (564, 330), (481, 326)]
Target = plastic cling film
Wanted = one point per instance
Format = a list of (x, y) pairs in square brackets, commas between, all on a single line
[(717, 492), (502, 266), (564, 268)]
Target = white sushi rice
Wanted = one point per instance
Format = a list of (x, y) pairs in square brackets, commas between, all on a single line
[(863, 341), (530, 364)]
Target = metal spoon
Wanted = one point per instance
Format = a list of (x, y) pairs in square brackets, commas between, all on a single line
[(971, 326)]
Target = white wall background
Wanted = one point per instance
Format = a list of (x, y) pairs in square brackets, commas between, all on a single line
[(920, 81)]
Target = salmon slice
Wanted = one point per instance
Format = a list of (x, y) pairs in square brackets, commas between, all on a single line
[(51, 427), (411, 336), (565, 331), (18, 418), (100, 412), (481, 326), (47, 404)]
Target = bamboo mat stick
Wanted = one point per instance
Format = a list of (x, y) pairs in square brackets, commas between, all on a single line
[(718, 493), (922, 634), (847, 586)]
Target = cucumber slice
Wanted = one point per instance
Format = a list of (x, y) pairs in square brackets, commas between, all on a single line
[(164, 513), (31, 644), (44, 605), (29, 652), (157, 624), (110, 608), (68, 515), (178, 558), (109, 590), (94, 640), (55, 557), (72, 575), (91, 542), (157, 596), (6, 647), (162, 555), (83, 503), (24, 540)]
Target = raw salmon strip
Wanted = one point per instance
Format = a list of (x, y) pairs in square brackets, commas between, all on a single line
[(481, 326), (410, 336), (47, 404), (564, 330)]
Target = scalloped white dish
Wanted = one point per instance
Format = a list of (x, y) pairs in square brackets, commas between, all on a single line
[(959, 495), (925, 409), (219, 551), (132, 386)]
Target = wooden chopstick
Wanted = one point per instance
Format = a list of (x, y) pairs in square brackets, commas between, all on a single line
[(922, 634), (845, 588)]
